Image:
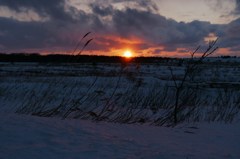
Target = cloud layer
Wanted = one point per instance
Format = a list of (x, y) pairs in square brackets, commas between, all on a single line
[(115, 25)]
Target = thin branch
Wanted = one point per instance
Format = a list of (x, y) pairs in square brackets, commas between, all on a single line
[(85, 45), (193, 53), (173, 76), (79, 42)]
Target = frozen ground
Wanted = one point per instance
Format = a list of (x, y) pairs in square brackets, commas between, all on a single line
[(145, 92), (29, 88), (27, 137)]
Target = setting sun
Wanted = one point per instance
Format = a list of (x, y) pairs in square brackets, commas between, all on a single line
[(127, 54)]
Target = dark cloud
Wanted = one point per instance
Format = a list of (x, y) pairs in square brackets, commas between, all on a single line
[(153, 28), (52, 8), (230, 34), (101, 10), (237, 9), (20, 35), (61, 31), (156, 29), (66, 26)]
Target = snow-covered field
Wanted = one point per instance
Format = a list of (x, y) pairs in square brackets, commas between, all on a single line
[(96, 99), (30, 137), (124, 94)]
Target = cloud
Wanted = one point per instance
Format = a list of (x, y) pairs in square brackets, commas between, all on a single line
[(156, 29), (101, 10), (229, 36), (237, 10), (53, 8), (58, 32), (219, 4), (149, 5), (137, 24), (20, 35)]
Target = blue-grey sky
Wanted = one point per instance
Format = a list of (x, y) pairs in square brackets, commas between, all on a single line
[(147, 27)]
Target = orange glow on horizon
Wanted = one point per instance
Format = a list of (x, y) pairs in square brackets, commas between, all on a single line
[(128, 48), (179, 53)]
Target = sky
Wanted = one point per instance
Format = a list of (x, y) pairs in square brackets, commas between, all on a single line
[(146, 27)]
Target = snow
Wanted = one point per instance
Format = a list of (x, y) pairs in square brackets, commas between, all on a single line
[(30, 137), (27, 137)]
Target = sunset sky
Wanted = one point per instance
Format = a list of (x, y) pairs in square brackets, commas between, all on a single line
[(146, 27)]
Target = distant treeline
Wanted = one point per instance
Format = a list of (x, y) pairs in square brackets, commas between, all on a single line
[(58, 58), (63, 58)]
